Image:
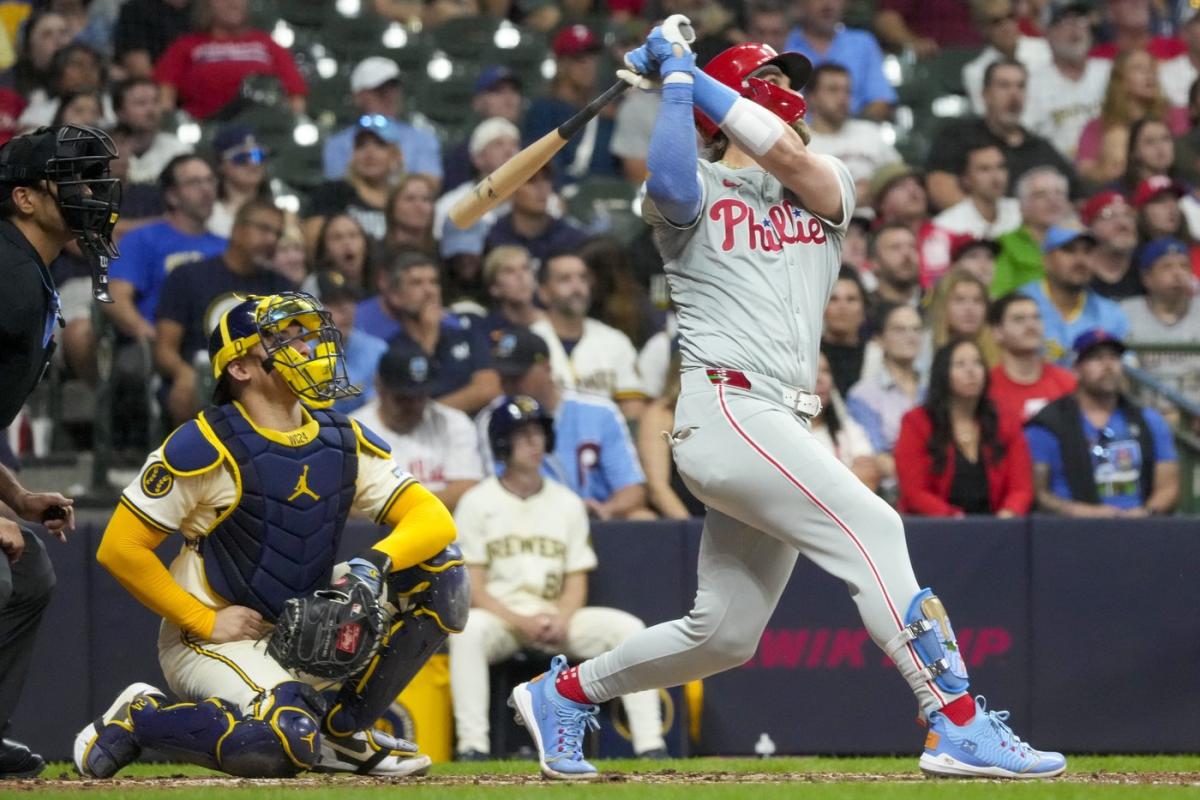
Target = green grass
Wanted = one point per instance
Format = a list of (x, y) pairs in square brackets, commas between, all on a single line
[(687, 782)]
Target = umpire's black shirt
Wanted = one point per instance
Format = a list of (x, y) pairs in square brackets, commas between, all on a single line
[(26, 319)]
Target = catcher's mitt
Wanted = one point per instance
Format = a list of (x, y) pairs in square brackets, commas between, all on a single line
[(332, 633)]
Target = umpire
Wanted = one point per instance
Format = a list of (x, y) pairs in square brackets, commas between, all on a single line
[(54, 187)]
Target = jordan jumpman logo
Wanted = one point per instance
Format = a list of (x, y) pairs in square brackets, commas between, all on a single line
[(302, 487)]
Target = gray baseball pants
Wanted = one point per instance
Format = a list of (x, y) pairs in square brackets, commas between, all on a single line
[(773, 493)]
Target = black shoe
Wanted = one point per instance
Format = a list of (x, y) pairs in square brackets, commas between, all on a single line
[(473, 755), (18, 761), (657, 754)]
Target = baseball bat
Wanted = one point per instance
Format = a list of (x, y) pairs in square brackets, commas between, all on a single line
[(499, 186)]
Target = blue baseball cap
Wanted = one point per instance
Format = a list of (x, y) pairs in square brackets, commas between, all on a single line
[(1086, 342), (1059, 236), (1155, 249), (407, 369), (385, 129), (493, 76), (236, 138)]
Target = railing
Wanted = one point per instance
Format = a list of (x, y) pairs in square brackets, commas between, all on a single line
[(1186, 412)]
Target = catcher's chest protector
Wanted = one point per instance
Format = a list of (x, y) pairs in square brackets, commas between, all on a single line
[(280, 540)]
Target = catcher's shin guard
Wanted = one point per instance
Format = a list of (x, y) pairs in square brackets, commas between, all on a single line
[(435, 596), (279, 741)]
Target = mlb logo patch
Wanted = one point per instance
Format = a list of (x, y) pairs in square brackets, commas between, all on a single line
[(348, 638)]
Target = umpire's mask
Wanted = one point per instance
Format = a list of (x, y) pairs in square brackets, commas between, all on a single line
[(75, 159)]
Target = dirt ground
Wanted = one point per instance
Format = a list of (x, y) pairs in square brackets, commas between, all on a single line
[(62, 782)]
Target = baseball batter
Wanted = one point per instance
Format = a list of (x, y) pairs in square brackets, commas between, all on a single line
[(752, 238), (258, 487)]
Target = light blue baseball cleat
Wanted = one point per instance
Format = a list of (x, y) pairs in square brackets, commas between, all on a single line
[(556, 724), (984, 748)]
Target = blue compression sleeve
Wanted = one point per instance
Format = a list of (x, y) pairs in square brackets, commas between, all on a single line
[(673, 184), (713, 97)]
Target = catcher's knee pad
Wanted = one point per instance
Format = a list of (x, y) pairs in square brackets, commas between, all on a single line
[(929, 631), (437, 588), (283, 737), (281, 740)]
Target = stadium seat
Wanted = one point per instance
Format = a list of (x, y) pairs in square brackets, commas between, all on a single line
[(446, 105), (264, 13), (303, 13), (860, 14), (354, 37), (945, 68), (412, 57), (468, 38), (604, 205), (330, 101), (300, 167)]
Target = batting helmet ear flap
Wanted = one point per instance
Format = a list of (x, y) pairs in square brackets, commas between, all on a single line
[(788, 106)]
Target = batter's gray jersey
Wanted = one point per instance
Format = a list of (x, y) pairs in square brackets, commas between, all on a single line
[(751, 277)]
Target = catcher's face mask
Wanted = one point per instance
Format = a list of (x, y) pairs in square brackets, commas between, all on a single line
[(301, 341)]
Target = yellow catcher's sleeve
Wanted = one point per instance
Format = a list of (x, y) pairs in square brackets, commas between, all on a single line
[(127, 551), (421, 528), (421, 525)]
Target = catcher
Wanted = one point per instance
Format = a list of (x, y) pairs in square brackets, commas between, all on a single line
[(283, 659)]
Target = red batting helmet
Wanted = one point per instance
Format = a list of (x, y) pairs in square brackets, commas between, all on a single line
[(733, 67)]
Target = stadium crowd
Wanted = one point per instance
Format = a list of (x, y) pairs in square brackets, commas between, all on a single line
[(975, 341)]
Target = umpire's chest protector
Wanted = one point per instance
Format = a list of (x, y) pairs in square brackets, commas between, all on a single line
[(279, 541)]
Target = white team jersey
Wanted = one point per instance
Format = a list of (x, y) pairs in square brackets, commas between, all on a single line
[(191, 504), (1032, 51), (528, 545), (1058, 109), (603, 362), (1176, 76), (751, 276), (654, 363), (859, 145), (964, 217), (441, 449)]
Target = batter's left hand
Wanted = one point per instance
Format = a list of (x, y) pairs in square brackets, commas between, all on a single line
[(32, 506), (642, 61)]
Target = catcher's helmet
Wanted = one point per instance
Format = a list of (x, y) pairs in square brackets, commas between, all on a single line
[(317, 378), (734, 68), (515, 412)]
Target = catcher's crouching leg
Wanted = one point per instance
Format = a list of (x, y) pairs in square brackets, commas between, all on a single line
[(279, 741), (437, 596)]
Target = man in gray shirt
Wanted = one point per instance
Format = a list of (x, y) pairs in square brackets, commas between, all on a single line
[(1167, 314)]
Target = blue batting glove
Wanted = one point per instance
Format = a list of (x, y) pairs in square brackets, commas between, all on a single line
[(658, 45), (642, 62)]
